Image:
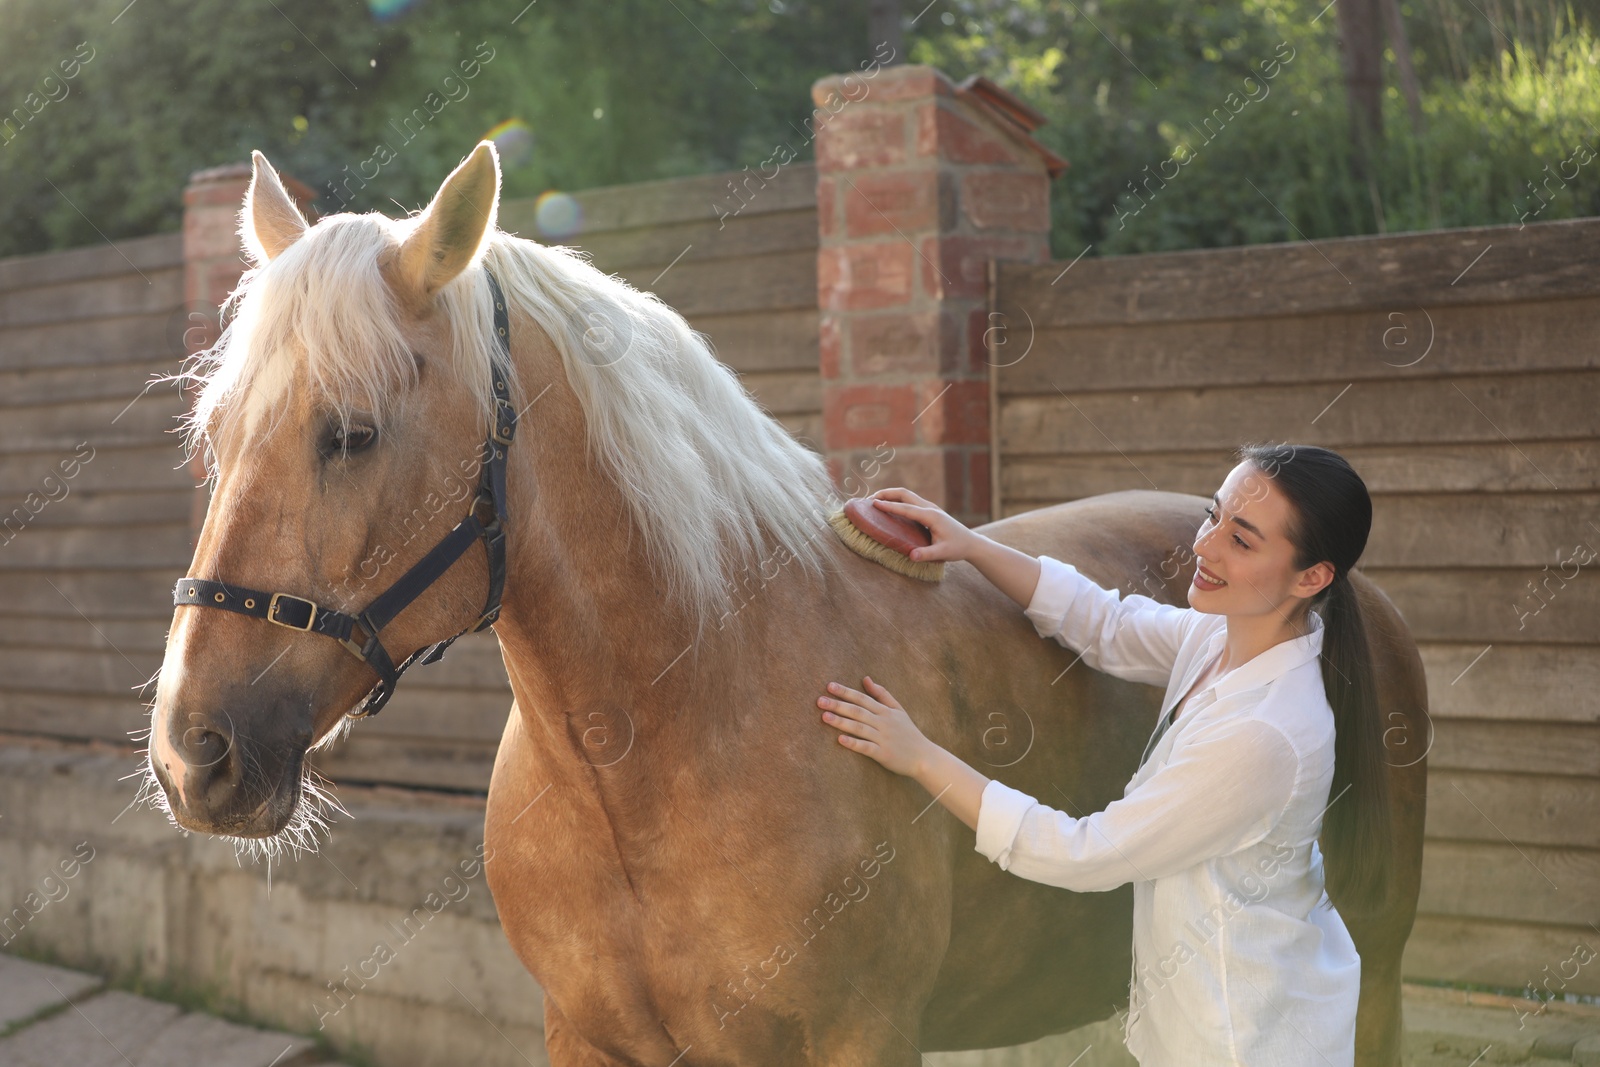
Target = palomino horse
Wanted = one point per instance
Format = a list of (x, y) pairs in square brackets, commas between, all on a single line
[(680, 852)]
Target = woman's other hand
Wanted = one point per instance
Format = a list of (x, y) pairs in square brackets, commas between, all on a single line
[(874, 724), (951, 540)]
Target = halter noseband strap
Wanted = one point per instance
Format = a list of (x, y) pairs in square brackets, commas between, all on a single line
[(298, 613)]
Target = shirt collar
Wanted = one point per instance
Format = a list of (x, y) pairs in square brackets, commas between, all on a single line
[(1276, 661)]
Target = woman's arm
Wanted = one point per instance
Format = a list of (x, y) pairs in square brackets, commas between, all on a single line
[(1224, 789), (1133, 637), (874, 724), (1015, 573)]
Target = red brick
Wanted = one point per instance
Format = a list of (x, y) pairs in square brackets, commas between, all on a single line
[(863, 276), (957, 265), (919, 469), (997, 200), (901, 82), (835, 469), (860, 137), (866, 470), (979, 322), (894, 344), (827, 224), (861, 416), (944, 134), (979, 484), (829, 331), (967, 491), (909, 82), (229, 193), (210, 232), (901, 202), (953, 412)]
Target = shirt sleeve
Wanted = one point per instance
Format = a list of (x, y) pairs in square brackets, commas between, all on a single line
[(1225, 789), (1133, 637)]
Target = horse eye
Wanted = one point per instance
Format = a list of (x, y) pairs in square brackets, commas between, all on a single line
[(351, 439)]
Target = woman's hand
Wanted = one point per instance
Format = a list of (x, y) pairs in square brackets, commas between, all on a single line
[(875, 725), (951, 540)]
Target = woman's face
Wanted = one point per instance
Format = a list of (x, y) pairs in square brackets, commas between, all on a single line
[(1242, 544)]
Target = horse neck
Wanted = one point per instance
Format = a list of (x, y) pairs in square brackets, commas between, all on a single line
[(585, 621)]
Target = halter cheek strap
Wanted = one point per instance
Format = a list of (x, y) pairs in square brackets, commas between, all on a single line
[(298, 613)]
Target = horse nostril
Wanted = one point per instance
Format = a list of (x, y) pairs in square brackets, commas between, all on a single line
[(203, 748)]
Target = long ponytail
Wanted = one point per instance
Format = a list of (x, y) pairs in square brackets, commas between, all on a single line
[(1332, 517)]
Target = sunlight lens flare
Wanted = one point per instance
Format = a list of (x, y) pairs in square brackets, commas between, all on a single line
[(557, 214), (389, 10), (513, 139)]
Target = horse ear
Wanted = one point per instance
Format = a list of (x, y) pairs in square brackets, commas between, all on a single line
[(270, 221), (455, 226)]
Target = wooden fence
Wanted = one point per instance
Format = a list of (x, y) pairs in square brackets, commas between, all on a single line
[(85, 584), (94, 504), (1459, 371)]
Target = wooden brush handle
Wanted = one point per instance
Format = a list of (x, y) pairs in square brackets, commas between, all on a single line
[(891, 531)]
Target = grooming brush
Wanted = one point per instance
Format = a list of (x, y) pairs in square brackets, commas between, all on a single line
[(885, 538)]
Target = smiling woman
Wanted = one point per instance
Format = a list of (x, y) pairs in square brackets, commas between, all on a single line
[(1281, 719)]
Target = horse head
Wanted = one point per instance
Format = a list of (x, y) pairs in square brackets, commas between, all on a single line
[(343, 416)]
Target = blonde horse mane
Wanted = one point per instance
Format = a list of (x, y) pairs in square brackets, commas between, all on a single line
[(707, 475)]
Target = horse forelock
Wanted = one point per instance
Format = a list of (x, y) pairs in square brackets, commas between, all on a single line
[(321, 313)]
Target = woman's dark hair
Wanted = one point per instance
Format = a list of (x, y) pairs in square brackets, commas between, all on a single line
[(1331, 515)]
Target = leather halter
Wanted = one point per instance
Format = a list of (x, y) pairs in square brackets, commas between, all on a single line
[(297, 613)]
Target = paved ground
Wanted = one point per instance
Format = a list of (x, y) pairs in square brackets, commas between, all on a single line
[(1444, 1028), (58, 1018), (51, 1017)]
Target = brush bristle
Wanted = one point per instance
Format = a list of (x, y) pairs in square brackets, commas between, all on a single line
[(867, 548)]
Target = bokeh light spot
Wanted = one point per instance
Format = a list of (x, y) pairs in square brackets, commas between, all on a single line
[(557, 214), (513, 139)]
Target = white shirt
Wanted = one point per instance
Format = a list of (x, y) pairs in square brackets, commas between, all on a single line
[(1238, 956)]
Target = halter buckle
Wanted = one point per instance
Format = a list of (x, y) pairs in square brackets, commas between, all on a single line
[(275, 606), (505, 421)]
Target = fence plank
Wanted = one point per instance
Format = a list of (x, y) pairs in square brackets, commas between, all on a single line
[(1544, 261), (1491, 605), (1492, 466), (157, 469), (1555, 405), (655, 247), (779, 339), (158, 292), (1504, 881), (1552, 683), (54, 385), (90, 343), (1528, 809), (1364, 345), (671, 200), (157, 252), (1533, 747), (757, 283)]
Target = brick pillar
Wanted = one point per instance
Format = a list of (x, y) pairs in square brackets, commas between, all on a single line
[(920, 183), (214, 260)]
